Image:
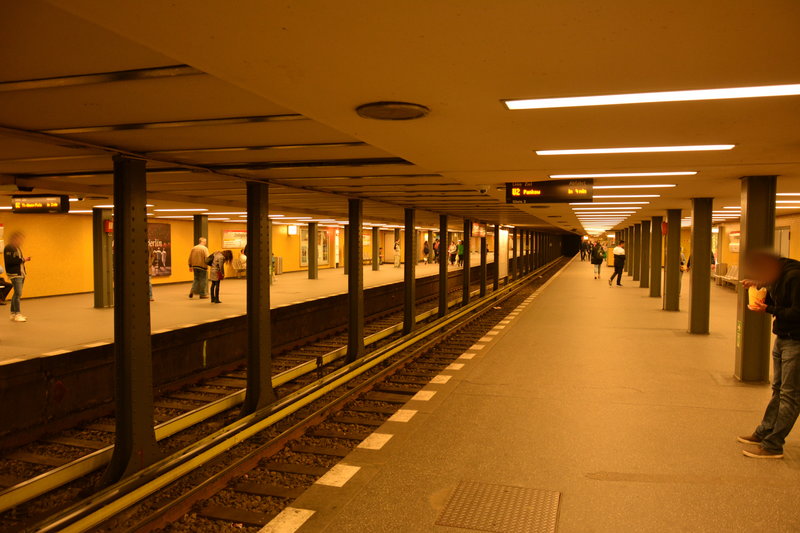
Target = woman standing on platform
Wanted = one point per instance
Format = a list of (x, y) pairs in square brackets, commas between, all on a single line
[(15, 267), (217, 273)]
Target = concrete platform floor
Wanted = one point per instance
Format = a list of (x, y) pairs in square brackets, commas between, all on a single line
[(596, 393), (65, 323)]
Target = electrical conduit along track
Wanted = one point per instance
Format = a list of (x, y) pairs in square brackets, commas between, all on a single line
[(109, 502), (73, 470)]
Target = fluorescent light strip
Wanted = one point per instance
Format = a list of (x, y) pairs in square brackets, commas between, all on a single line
[(638, 149), (788, 194), (788, 207), (627, 196), (654, 97), (623, 174), (731, 207), (654, 186), (608, 203), (604, 208), (178, 210)]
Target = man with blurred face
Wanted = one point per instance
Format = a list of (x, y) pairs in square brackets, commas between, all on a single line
[(780, 277)]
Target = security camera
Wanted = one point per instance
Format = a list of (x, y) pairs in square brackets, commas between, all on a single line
[(484, 188)]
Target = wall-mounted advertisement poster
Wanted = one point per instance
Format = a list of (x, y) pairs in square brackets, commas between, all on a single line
[(234, 239), (159, 240), (323, 247)]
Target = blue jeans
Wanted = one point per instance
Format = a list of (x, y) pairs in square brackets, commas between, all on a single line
[(784, 406), (17, 282), (200, 283)]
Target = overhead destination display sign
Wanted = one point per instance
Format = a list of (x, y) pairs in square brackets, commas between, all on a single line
[(40, 204), (549, 192)]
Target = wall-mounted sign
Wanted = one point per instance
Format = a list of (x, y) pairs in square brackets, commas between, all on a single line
[(40, 204), (159, 242), (478, 230), (549, 192), (234, 239)]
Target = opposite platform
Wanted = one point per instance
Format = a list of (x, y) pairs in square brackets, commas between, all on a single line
[(590, 392)]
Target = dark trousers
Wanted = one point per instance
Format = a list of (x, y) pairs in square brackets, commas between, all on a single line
[(783, 408), (215, 290), (5, 288), (617, 273)]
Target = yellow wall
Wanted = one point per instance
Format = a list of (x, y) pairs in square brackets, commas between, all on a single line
[(790, 221)]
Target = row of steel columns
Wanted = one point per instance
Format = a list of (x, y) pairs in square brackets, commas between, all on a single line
[(135, 443), (652, 243)]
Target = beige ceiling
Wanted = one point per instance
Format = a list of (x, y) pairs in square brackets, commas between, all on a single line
[(321, 59)]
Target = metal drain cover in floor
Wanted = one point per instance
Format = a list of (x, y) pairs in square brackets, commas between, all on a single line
[(501, 509)]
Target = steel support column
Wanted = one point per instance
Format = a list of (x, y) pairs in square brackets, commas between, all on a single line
[(443, 289), (672, 262), (496, 280), (700, 256), (430, 247), (465, 270), (637, 251), (259, 333), (628, 250), (134, 438), (313, 251), (103, 257), (355, 280), (200, 228), (644, 265), (757, 232), (483, 274), (656, 254), (376, 249), (409, 273)]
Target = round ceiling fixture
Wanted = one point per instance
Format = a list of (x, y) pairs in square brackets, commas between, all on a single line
[(392, 110)]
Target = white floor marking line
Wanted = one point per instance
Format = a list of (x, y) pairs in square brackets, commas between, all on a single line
[(375, 441), (96, 344), (288, 521), (484, 339), (455, 366), (423, 395), (441, 379), (402, 415), (466, 355), (492, 332), (498, 328), (476, 347), (338, 475), (54, 352), (161, 331)]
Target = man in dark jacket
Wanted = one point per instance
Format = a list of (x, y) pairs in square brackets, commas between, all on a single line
[(781, 278)]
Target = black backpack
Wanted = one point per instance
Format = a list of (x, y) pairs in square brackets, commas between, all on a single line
[(210, 259)]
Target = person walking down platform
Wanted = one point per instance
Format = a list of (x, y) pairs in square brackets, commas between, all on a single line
[(598, 254), (451, 251), (198, 265), (774, 283), (15, 267), (426, 252), (460, 253), (217, 263), (619, 263)]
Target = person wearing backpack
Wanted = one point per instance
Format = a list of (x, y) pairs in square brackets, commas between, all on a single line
[(198, 265), (597, 256), (217, 261)]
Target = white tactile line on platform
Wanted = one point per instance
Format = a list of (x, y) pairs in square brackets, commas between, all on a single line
[(96, 344), (441, 379), (496, 329), (484, 339), (54, 352), (338, 475), (187, 326), (375, 441), (164, 330), (288, 521), (466, 355), (402, 415), (423, 395), (455, 366), (476, 347), (492, 332)]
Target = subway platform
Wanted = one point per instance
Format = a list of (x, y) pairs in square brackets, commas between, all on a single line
[(61, 324), (591, 404)]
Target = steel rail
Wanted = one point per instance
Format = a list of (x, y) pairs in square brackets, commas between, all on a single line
[(122, 495), (84, 465)]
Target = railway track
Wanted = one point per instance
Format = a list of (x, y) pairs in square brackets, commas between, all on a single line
[(246, 472), (40, 476)]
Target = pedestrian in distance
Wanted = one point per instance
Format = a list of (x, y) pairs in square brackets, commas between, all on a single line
[(619, 263), (773, 285), (598, 254), (5, 288), (397, 254), (198, 258), (17, 272), (436, 250), (452, 250), (426, 250), (151, 258), (460, 252), (217, 262)]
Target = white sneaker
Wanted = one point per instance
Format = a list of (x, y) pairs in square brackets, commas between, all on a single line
[(13, 316), (20, 318)]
